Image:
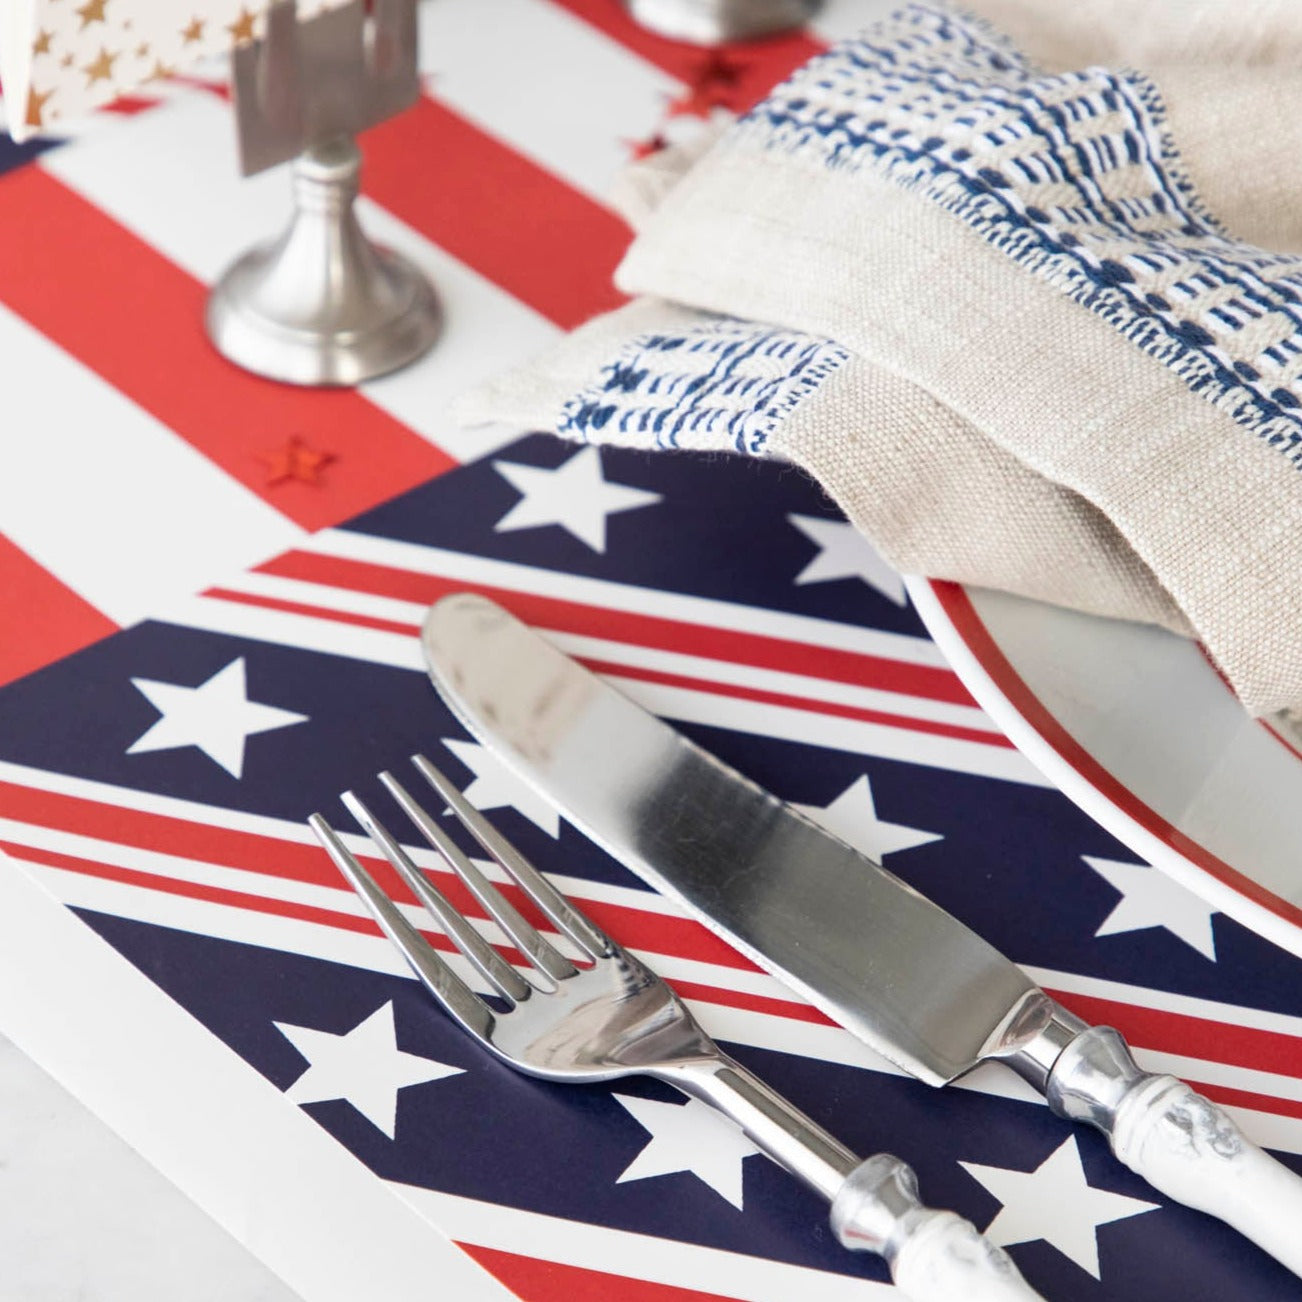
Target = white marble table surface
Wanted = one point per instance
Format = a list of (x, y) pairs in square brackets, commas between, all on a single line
[(84, 1218)]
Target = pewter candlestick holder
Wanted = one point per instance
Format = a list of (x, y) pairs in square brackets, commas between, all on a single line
[(714, 22), (322, 305)]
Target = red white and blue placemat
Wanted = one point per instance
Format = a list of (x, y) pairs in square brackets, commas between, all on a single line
[(265, 556)]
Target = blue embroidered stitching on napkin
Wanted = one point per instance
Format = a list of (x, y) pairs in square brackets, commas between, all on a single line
[(1073, 176), (722, 384)]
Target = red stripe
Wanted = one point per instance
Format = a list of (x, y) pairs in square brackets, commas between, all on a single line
[(1192, 1037), (43, 619), (1233, 1098), (136, 319), (789, 1008), (757, 66), (968, 624), (535, 1280), (622, 921), (785, 700), (636, 929), (242, 900), (293, 861), (707, 640), (515, 223), (405, 628), (158, 832)]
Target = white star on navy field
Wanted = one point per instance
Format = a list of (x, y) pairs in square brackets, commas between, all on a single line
[(844, 553), (576, 496), (853, 817), (1054, 1203), (363, 1066), (217, 717), (1150, 898), (689, 1137)]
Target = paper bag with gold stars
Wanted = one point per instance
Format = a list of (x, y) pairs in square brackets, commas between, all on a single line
[(60, 59)]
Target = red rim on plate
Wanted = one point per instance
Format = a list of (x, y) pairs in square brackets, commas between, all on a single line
[(976, 648)]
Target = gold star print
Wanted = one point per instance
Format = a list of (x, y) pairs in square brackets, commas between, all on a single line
[(241, 29), (66, 61), (101, 69), (41, 45), (194, 32), (91, 12), (36, 106), (161, 71), (295, 460)]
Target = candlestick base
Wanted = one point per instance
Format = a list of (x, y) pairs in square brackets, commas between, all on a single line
[(714, 22), (321, 305)]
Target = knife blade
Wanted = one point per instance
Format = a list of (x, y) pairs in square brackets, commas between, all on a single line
[(909, 979)]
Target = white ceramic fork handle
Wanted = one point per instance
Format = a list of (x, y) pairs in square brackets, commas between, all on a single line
[(1180, 1142), (934, 1256)]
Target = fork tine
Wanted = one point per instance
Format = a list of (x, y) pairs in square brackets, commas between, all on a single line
[(563, 915), (490, 964), (452, 993), (542, 953)]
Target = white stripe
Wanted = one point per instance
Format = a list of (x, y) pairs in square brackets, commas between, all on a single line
[(881, 740), (147, 802), (349, 601), (286, 628), (374, 952), (532, 74), (706, 611), (322, 940), (200, 224), (486, 331), (684, 705), (276, 829), (728, 1024), (773, 680), (341, 900), (216, 216), (1233, 1015), (640, 1256), (115, 505), (1165, 1001), (1269, 1083)]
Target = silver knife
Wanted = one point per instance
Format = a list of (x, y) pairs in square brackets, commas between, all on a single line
[(903, 975)]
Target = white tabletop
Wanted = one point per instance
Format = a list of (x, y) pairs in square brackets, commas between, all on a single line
[(85, 1217)]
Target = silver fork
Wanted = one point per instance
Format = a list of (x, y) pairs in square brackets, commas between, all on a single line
[(611, 1016)]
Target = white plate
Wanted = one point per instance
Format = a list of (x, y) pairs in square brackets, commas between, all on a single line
[(1138, 729)]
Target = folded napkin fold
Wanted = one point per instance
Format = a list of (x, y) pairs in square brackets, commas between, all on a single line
[(976, 290)]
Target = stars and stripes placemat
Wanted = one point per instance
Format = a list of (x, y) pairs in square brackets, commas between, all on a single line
[(214, 584)]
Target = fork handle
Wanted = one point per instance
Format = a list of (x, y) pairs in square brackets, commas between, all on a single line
[(934, 1256)]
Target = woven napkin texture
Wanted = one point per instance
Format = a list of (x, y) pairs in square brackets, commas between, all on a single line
[(972, 281)]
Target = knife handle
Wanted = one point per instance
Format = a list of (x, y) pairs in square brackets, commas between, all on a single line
[(934, 1256), (1181, 1143)]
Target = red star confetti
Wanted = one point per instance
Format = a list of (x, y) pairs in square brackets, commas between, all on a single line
[(640, 149), (713, 84), (296, 460)]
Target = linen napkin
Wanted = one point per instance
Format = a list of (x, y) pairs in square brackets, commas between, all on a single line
[(976, 286)]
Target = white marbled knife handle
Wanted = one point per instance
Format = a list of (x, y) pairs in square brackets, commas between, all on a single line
[(1181, 1143), (934, 1256)]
